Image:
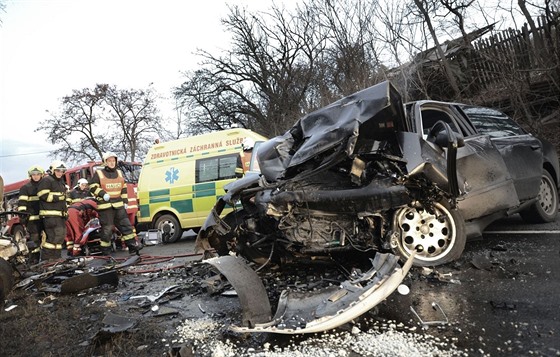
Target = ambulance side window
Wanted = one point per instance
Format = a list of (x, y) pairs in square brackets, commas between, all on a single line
[(216, 168)]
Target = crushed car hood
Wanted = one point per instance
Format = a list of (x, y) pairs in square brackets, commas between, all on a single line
[(344, 127)]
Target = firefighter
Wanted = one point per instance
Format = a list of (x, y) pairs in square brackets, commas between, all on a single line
[(79, 214), (108, 186), (80, 192), (29, 203), (53, 211)]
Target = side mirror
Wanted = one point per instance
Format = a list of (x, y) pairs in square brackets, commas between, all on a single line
[(441, 134), (442, 139)]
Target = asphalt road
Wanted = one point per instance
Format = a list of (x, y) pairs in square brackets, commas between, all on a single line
[(500, 298)]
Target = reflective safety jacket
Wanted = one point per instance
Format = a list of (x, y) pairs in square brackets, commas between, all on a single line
[(28, 200), (52, 197), (109, 181), (77, 194)]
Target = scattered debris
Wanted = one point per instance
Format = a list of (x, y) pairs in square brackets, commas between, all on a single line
[(88, 280), (481, 262), (10, 308), (436, 307), (165, 311), (317, 310), (117, 323), (154, 298), (403, 289), (113, 324), (499, 248)]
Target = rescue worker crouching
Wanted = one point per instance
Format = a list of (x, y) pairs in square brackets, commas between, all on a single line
[(28, 202), (108, 186), (53, 211), (79, 214)]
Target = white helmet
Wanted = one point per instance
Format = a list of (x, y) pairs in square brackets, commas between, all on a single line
[(109, 154), (247, 144), (58, 165), (82, 180)]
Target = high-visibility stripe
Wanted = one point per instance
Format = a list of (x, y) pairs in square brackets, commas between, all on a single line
[(52, 195), (34, 218), (48, 245), (23, 198), (52, 213), (33, 198), (43, 192), (129, 236), (106, 205)]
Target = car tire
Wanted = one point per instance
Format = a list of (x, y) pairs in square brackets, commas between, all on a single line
[(436, 240), (545, 209), (169, 222), (6, 280)]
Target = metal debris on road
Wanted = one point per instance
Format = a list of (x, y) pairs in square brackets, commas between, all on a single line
[(154, 298), (436, 307)]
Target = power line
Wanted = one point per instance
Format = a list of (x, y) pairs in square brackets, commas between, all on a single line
[(27, 154)]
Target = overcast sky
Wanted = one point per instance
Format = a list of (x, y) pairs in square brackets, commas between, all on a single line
[(50, 47)]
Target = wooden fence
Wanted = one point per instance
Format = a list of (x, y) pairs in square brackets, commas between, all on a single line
[(518, 56)]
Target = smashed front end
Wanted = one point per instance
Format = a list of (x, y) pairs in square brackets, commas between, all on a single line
[(328, 187)]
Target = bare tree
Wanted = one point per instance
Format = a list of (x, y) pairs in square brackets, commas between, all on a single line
[(136, 116), (92, 121), (458, 9), (351, 57), (423, 7), (261, 82)]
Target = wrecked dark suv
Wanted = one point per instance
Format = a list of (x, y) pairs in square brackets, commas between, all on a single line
[(371, 174)]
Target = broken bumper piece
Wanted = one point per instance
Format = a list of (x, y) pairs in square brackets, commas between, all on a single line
[(316, 311)]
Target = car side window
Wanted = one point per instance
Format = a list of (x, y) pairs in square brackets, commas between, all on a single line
[(432, 116), (492, 122)]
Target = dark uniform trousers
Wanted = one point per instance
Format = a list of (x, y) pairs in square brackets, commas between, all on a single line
[(55, 229), (120, 219)]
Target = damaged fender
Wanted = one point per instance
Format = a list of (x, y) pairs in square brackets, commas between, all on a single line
[(315, 311)]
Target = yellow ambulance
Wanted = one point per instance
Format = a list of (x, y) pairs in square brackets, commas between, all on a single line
[(181, 179)]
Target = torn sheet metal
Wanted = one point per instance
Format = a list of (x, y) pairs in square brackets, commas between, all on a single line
[(154, 298), (250, 289), (331, 307), (89, 280), (116, 323)]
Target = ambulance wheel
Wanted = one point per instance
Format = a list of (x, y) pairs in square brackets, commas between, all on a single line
[(169, 227), (6, 280)]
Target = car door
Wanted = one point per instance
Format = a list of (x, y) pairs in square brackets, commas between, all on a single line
[(484, 181), (521, 152)]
